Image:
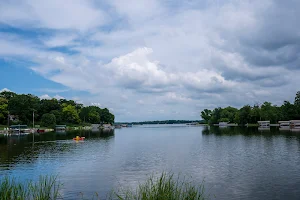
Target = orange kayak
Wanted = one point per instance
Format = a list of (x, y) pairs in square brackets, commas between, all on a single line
[(79, 138)]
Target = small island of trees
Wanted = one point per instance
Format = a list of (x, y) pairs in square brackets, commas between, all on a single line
[(19, 109), (251, 114)]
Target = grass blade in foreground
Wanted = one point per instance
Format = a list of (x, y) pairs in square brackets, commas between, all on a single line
[(165, 187), (47, 188)]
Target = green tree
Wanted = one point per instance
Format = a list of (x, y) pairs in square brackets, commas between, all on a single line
[(90, 114), (228, 114), (48, 120), (7, 95), (255, 114), (3, 110), (206, 115), (269, 112), (58, 116), (106, 116), (297, 105), (216, 115), (47, 105), (297, 99), (70, 114), (93, 117), (244, 115), (23, 106)]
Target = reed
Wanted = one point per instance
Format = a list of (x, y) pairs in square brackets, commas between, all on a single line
[(46, 188), (165, 187)]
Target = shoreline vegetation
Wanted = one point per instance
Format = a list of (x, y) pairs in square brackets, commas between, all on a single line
[(163, 122), (250, 115), (23, 109), (167, 186)]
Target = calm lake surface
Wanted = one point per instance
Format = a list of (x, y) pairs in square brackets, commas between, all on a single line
[(236, 163)]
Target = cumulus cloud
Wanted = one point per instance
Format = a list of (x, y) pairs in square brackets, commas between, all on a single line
[(136, 71), (71, 14), (45, 96), (58, 97), (5, 90), (155, 54)]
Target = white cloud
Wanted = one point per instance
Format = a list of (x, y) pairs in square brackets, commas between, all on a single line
[(60, 40), (71, 14), (58, 97), (5, 90), (160, 53), (51, 90), (137, 11), (136, 70), (45, 96)]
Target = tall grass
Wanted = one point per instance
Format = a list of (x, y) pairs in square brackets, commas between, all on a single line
[(165, 187), (46, 188)]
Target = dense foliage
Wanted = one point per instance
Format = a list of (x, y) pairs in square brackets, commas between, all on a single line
[(252, 114), (48, 112)]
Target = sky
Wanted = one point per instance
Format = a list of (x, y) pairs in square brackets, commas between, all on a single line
[(152, 59)]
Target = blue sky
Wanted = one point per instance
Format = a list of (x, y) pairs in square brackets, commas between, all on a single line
[(152, 59)]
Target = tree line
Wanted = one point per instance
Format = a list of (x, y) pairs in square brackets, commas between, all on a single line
[(19, 109), (163, 122), (252, 114)]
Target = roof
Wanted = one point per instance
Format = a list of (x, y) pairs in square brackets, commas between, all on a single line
[(18, 126), (60, 125)]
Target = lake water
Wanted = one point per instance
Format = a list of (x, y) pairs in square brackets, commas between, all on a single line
[(235, 163)]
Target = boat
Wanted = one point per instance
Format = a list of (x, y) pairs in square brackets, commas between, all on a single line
[(60, 128), (77, 138), (295, 125), (284, 125), (118, 126), (107, 127)]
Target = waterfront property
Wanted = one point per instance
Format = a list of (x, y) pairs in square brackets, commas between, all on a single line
[(223, 123), (295, 125), (19, 129), (95, 127), (107, 127), (118, 126), (60, 128), (284, 125), (263, 124)]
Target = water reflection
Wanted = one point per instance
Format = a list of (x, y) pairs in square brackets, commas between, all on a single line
[(248, 163), (17, 148), (236, 163), (248, 131)]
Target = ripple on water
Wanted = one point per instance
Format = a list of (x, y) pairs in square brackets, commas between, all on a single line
[(234, 166)]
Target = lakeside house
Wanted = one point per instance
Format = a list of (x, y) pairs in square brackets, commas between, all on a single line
[(284, 124), (107, 127), (295, 125), (223, 123), (19, 129), (60, 128), (95, 127), (264, 124)]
